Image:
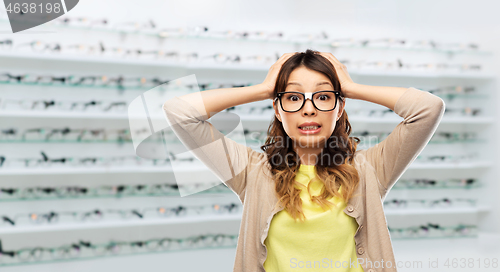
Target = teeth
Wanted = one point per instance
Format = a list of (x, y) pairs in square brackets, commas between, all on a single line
[(310, 128)]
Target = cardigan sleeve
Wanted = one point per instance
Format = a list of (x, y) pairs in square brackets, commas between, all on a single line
[(226, 158), (422, 113)]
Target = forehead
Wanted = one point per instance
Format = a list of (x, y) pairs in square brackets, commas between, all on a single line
[(306, 78)]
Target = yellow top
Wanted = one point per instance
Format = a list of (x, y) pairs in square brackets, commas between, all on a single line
[(323, 242)]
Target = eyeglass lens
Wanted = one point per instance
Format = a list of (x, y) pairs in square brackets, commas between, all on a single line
[(293, 101)]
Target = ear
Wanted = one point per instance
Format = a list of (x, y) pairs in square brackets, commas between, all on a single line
[(276, 111), (341, 109)]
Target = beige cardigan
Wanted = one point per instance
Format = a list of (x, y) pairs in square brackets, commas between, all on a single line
[(247, 173)]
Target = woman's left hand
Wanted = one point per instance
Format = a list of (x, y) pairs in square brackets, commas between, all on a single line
[(346, 82)]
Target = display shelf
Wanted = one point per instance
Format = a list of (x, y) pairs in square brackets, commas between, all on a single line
[(72, 141), (425, 211), (420, 252), (220, 192), (90, 63), (475, 141), (99, 60), (484, 245), (64, 141), (164, 253), (192, 67), (194, 169), (464, 236), (173, 194), (450, 166), (448, 96), (246, 118), (200, 170), (187, 220), (434, 187), (65, 115), (201, 36), (79, 87)]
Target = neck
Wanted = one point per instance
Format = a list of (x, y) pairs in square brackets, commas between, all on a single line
[(308, 156)]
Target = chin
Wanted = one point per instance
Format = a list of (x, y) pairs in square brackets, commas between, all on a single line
[(311, 141)]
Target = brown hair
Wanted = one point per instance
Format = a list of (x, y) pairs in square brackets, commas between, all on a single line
[(278, 144)]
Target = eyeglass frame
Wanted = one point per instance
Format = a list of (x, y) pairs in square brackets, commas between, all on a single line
[(309, 96)]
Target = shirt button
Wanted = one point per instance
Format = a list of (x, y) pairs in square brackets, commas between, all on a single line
[(361, 250), (350, 208)]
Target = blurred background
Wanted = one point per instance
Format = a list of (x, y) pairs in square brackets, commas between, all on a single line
[(75, 196)]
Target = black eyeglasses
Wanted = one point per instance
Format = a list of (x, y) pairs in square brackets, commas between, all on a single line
[(322, 100)]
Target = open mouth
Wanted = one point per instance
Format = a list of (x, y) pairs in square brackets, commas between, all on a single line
[(310, 129)]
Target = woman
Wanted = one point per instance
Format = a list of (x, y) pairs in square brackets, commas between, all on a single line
[(310, 200)]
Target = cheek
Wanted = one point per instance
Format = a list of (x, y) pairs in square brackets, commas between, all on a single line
[(329, 123), (288, 128), (288, 121)]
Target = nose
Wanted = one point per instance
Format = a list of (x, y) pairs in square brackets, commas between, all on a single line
[(308, 108)]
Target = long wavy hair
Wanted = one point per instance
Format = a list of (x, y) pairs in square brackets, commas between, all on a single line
[(279, 145)]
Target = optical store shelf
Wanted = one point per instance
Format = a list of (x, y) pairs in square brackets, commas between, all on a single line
[(419, 252), (263, 119), (201, 194), (200, 171), (200, 35), (143, 88), (55, 234), (481, 248), (187, 220), (447, 210), (120, 142), (194, 170), (92, 59)]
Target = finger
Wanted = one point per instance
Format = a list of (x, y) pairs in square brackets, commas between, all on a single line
[(339, 63), (324, 54), (283, 58), (286, 56), (332, 58)]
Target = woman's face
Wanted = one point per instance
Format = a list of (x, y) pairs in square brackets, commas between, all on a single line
[(308, 81)]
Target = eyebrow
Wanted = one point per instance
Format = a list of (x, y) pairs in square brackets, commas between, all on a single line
[(318, 84)]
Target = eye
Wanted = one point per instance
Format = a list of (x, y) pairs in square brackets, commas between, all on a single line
[(324, 97), (293, 97)]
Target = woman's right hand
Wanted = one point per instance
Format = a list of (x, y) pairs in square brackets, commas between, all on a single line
[(272, 75)]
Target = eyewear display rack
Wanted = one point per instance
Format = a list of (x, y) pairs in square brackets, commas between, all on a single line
[(448, 157)]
